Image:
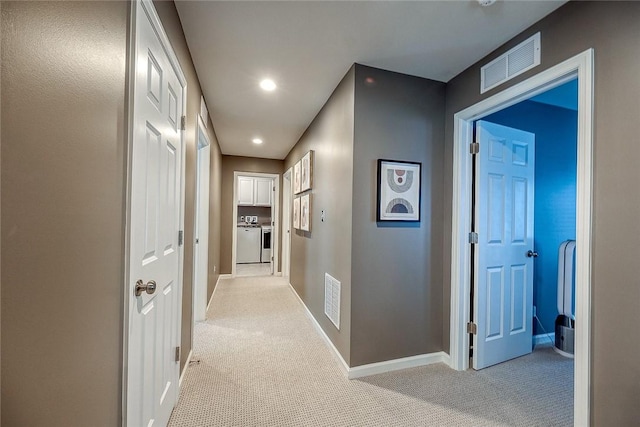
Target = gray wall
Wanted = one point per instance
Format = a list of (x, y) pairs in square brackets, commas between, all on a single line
[(327, 248), (612, 29), (0, 221), (215, 215), (172, 26), (241, 164), (64, 69), (396, 289), (63, 169)]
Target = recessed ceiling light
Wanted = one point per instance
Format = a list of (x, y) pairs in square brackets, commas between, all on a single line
[(256, 141), (268, 85)]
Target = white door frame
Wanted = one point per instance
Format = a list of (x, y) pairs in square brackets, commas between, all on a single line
[(580, 66), (274, 218), (146, 6), (199, 300), (286, 222)]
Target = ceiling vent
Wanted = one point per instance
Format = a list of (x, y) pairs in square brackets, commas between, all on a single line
[(332, 299), (516, 61)]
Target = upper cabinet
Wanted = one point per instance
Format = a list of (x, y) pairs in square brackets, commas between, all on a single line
[(263, 190), (254, 191), (245, 191)]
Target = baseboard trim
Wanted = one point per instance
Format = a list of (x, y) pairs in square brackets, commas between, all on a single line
[(343, 365), (215, 288), (186, 366), (397, 364), (542, 339), (226, 276), (446, 359), (373, 368)]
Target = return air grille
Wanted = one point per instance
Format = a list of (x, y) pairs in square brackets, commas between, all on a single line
[(516, 61), (332, 299)]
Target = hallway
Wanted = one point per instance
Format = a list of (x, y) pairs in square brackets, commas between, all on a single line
[(258, 361)]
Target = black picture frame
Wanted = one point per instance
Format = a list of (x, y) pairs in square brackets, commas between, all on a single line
[(399, 194)]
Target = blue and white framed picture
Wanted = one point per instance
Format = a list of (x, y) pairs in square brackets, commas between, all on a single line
[(398, 191)]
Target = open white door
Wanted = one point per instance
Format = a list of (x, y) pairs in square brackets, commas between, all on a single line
[(155, 217), (503, 285), (201, 244)]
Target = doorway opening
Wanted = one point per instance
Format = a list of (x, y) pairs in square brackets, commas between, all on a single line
[(550, 220), (578, 68), (201, 240), (255, 224)]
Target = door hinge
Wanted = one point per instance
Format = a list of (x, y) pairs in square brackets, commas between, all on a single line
[(472, 328), (180, 237), (474, 148), (177, 354), (183, 123), (473, 238)]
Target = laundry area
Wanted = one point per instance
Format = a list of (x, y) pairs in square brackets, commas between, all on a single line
[(254, 226)]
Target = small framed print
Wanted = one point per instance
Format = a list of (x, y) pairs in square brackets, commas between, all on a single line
[(297, 178), (306, 171), (305, 212), (398, 191), (296, 213)]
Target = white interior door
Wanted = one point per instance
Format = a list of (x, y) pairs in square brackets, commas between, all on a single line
[(201, 244), (503, 288), (154, 288)]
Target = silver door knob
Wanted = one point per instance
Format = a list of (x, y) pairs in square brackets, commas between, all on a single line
[(149, 288), (532, 254)]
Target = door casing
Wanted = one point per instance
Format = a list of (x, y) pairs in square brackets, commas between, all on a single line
[(286, 222), (145, 6), (580, 66)]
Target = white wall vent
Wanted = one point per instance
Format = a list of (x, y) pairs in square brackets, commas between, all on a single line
[(332, 299), (516, 61)]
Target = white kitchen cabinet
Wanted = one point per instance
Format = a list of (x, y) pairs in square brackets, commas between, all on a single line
[(263, 190), (245, 191), (254, 191)]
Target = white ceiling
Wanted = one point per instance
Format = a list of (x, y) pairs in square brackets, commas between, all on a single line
[(308, 46)]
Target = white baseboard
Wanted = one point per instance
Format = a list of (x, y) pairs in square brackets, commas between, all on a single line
[(542, 339), (397, 364), (215, 288), (343, 365), (278, 274), (186, 366), (446, 359), (226, 276), (374, 368)]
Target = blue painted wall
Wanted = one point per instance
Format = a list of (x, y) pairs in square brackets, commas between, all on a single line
[(556, 131)]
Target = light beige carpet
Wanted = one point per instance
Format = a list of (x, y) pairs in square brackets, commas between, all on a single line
[(261, 363)]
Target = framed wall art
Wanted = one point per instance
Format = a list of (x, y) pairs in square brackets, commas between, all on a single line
[(296, 213), (306, 179), (305, 212), (398, 191), (296, 177)]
